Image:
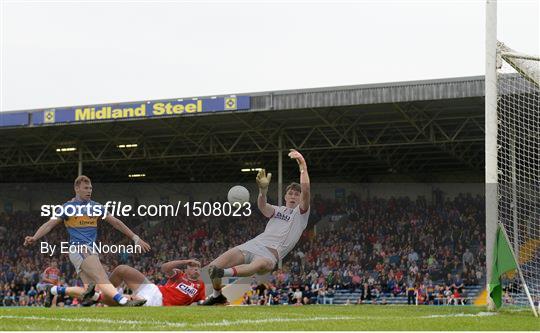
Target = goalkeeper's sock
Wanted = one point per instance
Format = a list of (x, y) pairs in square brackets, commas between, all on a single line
[(120, 299), (57, 290), (96, 296), (230, 272), (216, 293)]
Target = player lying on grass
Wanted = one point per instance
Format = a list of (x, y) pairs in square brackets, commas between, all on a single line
[(83, 232), (182, 287), (282, 232)]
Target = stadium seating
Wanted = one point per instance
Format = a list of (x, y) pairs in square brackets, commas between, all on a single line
[(348, 242)]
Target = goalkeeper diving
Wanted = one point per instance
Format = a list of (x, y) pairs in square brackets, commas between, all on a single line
[(283, 230)]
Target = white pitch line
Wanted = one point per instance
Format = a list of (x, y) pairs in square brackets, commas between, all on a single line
[(98, 320), (479, 314), (241, 321), (278, 320), (275, 320)]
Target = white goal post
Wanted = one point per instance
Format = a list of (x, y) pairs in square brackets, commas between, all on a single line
[(512, 156)]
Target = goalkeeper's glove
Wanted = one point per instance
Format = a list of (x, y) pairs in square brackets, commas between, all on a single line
[(263, 180)]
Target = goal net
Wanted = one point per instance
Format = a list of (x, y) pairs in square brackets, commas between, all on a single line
[(518, 171)]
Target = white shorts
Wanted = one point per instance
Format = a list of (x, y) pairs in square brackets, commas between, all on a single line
[(151, 293), (254, 249), (77, 257)]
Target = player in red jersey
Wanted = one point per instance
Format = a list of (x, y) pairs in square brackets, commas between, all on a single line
[(49, 278), (50, 284), (182, 287), (51, 275)]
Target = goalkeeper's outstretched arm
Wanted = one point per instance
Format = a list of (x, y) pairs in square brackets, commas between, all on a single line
[(304, 179), (263, 181)]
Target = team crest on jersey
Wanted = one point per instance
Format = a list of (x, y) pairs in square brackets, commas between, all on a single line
[(188, 290)]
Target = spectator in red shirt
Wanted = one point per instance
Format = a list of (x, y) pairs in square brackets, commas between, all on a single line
[(456, 298)]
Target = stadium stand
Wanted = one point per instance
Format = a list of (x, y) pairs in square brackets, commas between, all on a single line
[(385, 248)]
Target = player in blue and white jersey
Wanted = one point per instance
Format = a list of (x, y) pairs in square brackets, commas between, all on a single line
[(80, 217)]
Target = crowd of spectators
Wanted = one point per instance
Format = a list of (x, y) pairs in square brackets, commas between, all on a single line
[(379, 247)]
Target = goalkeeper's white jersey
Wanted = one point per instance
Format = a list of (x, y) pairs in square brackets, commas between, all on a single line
[(284, 229)]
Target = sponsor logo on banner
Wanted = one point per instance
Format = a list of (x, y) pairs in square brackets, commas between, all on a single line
[(139, 110), (230, 103), (48, 117)]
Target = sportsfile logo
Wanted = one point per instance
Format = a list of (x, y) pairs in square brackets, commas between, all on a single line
[(195, 208), (89, 209)]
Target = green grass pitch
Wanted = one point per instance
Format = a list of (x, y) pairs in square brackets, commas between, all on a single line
[(314, 317)]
